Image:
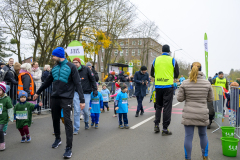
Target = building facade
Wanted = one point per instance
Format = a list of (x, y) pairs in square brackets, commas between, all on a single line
[(140, 51)]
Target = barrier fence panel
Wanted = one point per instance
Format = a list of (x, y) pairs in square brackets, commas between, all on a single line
[(218, 106), (234, 116)]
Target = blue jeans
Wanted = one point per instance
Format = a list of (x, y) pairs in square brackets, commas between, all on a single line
[(124, 117), (95, 117), (77, 110)]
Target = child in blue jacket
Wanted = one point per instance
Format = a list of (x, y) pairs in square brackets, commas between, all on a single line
[(174, 87), (96, 106), (121, 104), (105, 93)]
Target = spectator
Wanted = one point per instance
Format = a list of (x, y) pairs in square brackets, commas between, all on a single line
[(46, 72), (89, 65), (46, 98), (36, 74), (88, 85), (2, 65), (9, 65), (216, 75), (26, 82), (121, 77), (141, 79), (195, 111)]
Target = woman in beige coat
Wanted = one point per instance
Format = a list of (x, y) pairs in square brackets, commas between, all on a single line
[(196, 92)]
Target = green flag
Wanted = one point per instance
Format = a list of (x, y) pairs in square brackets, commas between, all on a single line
[(206, 53), (75, 50)]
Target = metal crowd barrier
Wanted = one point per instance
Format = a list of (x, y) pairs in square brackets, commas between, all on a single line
[(234, 112), (218, 105)]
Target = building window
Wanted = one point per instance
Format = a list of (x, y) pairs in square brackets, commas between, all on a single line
[(121, 43), (139, 42), (139, 63), (133, 43), (126, 42), (116, 52), (133, 52), (127, 52), (121, 53), (126, 62), (139, 52)]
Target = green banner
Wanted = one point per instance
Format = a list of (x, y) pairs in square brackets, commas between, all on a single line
[(75, 49), (206, 53)]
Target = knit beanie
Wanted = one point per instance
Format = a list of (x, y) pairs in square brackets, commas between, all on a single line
[(220, 72), (166, 48), (143, 68), (59, 52), (123, 86), (3, 86), (27, 67), (1, 63), (22, 93), (88, 64), (77, 59), (117, 85), (104, 84)]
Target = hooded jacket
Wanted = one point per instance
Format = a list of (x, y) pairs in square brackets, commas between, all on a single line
[(65, 79), (196, 96), (121, 77)]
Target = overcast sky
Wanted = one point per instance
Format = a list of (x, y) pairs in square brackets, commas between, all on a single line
[(186, 21)]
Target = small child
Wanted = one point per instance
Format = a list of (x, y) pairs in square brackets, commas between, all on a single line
[(153, 98), (23, 115), (96, 106), (118, 90), (121, 104), (174, 87), (105, 93), (5, 105)]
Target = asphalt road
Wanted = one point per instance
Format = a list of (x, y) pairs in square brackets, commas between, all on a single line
[(110, 142)]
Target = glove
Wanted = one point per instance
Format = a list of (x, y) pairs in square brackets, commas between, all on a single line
[(95, 93)]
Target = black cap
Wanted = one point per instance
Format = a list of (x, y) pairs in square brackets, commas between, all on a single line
[(143, 68), (166, 48), (221, 72), (1, 63)]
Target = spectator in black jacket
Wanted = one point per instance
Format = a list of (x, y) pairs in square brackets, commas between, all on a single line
[(89, 65), (46, 98), (88, 84), (121, 77), (2, 65)]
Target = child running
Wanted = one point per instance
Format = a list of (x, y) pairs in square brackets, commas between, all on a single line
[(174, 87), (153, 98), (105, 93), (23, 115), (95, 104), (121, 104), (5, 105), (118, 90)]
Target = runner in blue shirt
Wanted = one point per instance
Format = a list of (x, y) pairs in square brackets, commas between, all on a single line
[(121, 104), (105, 93)]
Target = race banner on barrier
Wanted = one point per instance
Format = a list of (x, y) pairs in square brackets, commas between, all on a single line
[(75, 49)]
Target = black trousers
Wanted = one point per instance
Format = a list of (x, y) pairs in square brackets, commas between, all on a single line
[(58, 103), (164, 98)]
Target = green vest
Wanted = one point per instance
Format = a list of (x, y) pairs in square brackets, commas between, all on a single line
[(221, 82), (164, 70)]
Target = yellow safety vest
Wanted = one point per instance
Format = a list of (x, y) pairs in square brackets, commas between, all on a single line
[(221, 82), (164, 70)]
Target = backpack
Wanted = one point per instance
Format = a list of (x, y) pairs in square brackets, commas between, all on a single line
[(2, 74)]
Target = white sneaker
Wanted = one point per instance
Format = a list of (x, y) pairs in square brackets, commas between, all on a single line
[(5, 133), (81, 117)]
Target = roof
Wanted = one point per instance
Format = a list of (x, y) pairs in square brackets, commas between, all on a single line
[(119, 65)]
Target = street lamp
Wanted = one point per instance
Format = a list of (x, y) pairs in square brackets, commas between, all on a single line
[(176, 51)]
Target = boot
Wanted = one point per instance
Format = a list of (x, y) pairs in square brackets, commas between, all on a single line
[(142, 112), (137, 114), (206, 158), (209, 126)]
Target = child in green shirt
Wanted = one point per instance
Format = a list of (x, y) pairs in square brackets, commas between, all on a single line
[(5, 105), (23, 115)]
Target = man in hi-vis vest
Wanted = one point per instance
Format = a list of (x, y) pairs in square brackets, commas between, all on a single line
[(164, 70)]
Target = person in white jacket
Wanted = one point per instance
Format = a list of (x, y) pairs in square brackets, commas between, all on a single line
[(37, 75)]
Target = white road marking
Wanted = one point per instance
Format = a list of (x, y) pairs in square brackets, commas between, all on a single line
[(146, 120)]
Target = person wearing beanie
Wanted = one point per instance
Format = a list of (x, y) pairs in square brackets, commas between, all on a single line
[(118, 90), (65, 80), (122, 105), (5, 105), (105, 94), (164, 69), (88, 85), (23, 115), (2, 65), (141, 79), (91, 67)]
